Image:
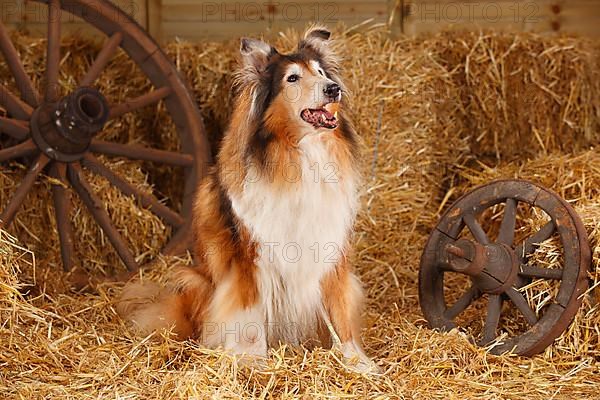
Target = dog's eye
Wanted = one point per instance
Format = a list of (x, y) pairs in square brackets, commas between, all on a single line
[(321, 72), (293, 78)]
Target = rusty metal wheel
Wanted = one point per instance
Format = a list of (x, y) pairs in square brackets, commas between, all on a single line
[(57, 135), (499, 264)]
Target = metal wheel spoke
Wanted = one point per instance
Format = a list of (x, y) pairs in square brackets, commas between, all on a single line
[(540, 236), (142, 101), (147, 200), (540, 272), (53, 51), (94, 205), (507, 228), (462, 303), (28, 93), (19, 150), (519, 300), (476, 229), (103, 57), (15, 107), (137, 152), (15, 128), (494, 309), (62, 207), (13, 205)]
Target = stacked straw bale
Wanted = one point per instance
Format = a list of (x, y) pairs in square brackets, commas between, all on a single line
[(457, 109), (525, 95)]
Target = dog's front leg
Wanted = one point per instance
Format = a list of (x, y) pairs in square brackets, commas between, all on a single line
[(342, 299), (244, 335), (236, 319)]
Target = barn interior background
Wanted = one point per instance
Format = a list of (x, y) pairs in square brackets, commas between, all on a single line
[(223, 19), (447, 95)]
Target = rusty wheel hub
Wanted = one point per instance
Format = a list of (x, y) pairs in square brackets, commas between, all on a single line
[(492, 267), (64, 130)]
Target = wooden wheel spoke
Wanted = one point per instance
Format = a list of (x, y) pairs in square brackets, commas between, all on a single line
[(19, 150), (28, 93), (15, 128), (462, 303), (519, 301), (540, 272), (15, 107), (103, 57), (94, 205), (137, 152), (507, 227), (142, 101), (53, 51), (19, 196), (147, 200), (540, 236), (476, 229), (494, 309), (62, 209)]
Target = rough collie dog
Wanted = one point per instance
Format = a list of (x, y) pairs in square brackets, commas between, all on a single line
[(274, 218)]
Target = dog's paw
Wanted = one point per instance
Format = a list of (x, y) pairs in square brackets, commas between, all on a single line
[(252, 361), (356, 360), (362, 365)]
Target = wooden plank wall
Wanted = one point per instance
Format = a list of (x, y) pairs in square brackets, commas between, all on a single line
[(33, 16), (192, 19), (569, 16), (222, 19)]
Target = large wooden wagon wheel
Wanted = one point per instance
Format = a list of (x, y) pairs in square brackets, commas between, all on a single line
[(56, 135), (501, 269)]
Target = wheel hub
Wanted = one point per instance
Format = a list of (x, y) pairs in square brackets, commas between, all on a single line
[(492, 267), (64, 130)]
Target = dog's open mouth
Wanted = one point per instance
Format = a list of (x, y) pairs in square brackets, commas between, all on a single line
[(325, 117)]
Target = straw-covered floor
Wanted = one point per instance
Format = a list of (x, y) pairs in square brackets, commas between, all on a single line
[(438, 116)]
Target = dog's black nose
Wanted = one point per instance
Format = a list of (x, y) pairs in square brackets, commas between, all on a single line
[(332, 90)]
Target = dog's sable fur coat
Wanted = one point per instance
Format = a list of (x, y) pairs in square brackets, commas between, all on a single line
[(273, 220)]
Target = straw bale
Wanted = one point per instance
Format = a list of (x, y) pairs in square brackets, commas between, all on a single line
[(525, 94)]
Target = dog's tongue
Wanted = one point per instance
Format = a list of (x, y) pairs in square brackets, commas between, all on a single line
[(325, 117), (328, 114)]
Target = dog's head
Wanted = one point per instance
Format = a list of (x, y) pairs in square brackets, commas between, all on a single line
[(300, 90)]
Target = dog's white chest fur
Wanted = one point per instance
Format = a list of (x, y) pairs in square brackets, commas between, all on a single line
[(301, 233)]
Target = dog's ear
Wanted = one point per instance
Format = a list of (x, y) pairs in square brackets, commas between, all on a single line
[(317, 38), (255, 53), (255, 59), (317, 33)]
